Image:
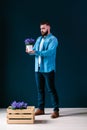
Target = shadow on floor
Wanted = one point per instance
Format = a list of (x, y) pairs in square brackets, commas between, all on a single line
[(70, 113), (41, 121)]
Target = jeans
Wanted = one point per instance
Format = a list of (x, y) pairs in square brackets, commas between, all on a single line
[(49, 80)]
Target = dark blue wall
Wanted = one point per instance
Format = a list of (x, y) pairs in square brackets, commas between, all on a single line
[(20, 19)]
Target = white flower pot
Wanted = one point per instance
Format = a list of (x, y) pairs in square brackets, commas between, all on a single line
[(29, 47)]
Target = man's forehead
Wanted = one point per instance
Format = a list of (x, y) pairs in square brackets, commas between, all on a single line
[(43, 26)]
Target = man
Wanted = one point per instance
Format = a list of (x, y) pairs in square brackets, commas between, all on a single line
[(45, 67)]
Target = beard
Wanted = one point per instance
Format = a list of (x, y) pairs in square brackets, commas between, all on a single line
[(44, 33)]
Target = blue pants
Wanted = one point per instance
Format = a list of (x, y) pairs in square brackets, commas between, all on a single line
[(49, 80)]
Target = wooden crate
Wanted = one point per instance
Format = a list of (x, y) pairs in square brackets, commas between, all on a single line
[(21, 116)]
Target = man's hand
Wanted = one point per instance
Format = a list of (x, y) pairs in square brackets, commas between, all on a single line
[(27, 50), (30, 52)]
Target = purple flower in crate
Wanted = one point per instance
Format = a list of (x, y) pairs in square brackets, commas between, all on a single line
[(22, 105), (14, 105), (29, 41), (18, 105)]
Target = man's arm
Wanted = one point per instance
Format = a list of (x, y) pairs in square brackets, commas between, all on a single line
[(51, 49)]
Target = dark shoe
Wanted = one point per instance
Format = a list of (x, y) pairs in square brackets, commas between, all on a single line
[(39, 112), (55, 114)]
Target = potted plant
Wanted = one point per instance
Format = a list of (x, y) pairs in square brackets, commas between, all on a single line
[(29, 42)]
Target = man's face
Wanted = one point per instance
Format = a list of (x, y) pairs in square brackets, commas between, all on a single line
[(44, 29)]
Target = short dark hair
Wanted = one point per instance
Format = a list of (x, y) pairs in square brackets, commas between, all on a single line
[(45, 22)]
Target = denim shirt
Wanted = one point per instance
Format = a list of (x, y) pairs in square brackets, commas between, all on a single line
[(48, 53)]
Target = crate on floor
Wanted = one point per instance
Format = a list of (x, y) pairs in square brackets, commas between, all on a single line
[(21, 116)]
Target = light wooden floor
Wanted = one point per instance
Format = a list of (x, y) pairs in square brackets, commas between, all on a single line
[(70, 119)]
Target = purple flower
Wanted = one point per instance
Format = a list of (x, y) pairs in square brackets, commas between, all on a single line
[(29, 41), (18, 105), (13, 105)]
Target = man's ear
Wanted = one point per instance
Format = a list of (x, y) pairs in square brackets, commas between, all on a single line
[(48, 27)]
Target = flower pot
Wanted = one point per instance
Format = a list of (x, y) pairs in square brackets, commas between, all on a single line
[(29, 47)]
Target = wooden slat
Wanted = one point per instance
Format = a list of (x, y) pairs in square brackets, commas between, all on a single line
[(28, 110), (20, 121), (19, 116)]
